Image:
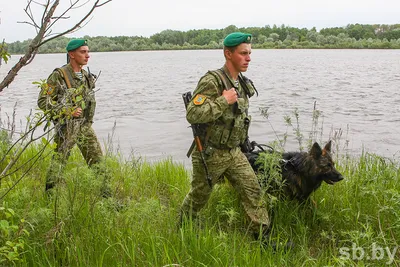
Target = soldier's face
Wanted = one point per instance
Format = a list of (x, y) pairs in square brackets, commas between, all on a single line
[(80, 55), (240, 57)]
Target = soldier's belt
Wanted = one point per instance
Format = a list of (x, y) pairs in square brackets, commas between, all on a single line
[(221, 147)]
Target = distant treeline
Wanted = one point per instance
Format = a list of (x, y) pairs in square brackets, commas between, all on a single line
[(353, 36)]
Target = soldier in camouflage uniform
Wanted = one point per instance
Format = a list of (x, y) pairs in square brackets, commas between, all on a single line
[(69, 100), (223, 112)]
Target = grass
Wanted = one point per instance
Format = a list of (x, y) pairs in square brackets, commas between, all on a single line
[(138, 226), (353, 223)]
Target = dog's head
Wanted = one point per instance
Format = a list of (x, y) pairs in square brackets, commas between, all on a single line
[(324, 167)]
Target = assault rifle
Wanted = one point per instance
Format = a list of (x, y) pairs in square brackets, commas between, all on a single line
[(196, 128)]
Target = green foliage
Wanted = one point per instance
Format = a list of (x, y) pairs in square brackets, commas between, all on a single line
[(137, 226), (12, 237), (73, 98), (293, 122), (271, 177), (4, 55), (5, 142), (354, 36)]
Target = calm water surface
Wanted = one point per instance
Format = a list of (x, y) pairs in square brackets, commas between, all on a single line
[(357, 92)]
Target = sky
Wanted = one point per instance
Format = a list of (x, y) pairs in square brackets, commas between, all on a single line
[(145, 18)]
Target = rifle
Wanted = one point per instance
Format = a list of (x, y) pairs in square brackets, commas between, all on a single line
[(187, 97)]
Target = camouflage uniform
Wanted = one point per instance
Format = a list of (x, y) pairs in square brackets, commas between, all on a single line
[(226, 129), (70, 130)]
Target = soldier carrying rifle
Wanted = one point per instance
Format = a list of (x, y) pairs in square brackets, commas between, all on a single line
[(219, 111)]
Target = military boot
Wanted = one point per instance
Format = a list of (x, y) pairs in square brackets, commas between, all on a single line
[(266, 242)]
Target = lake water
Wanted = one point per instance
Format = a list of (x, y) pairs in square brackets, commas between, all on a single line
[(357, 92)]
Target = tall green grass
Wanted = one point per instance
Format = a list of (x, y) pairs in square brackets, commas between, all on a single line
[(138, 225)]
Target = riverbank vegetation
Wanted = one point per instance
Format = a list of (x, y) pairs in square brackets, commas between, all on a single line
[(352, 36), (353, 222)]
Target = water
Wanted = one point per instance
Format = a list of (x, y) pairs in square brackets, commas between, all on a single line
[(356, 91)]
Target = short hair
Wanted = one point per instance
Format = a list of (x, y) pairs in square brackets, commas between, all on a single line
[(230, 48)]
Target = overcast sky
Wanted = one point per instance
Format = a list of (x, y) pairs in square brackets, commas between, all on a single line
[(147, 17)]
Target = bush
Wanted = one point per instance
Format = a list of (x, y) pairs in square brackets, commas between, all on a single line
[(12, 236)]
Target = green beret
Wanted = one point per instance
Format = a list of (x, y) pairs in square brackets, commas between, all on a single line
[(76, 43), (236, 38)]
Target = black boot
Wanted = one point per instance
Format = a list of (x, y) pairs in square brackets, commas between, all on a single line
[(49, 187), (266, 242), (105, 191)]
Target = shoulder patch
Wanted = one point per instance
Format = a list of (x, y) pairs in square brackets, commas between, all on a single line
[(50, 89), (199, 99)]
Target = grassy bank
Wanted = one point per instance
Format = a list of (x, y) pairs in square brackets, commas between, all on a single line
[(353, 223)]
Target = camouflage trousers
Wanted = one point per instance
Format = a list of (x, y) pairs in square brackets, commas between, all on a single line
[(233, 165), (80, 133)]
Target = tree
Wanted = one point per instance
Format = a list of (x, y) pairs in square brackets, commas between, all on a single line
[(229, 29), (312, 36), (274, 37), (292, 36), (44, 26), (332, 31), (391, 35), (360, 31), (331, 39), (261, 39), (169, 37)]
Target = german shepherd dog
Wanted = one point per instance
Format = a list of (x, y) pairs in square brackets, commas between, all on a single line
[(302, 172)]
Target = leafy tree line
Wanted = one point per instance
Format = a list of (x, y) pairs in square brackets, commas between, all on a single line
[(352, 36)]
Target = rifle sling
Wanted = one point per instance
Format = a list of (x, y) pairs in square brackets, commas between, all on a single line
[(225, 80), (193, 145), (65, 76)]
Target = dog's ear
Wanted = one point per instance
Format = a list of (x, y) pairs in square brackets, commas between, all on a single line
[(316, 151), (328, 146)]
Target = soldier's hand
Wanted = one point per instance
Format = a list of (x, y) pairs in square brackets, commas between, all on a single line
[(77, 112), (230, 96)]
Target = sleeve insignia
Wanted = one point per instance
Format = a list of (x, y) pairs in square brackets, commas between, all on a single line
[(50, 89), (199, 99)]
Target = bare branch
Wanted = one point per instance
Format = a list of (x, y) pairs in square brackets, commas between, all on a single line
[(28, 12), (53, 18), (39, 3), (77, 26), (62, 14), (99, 5), (31, 51), (80, 5), (26, 22), (19, 152), (33, 56), (37, 157), (45, 11), (41, 120), (44, 31), (5, 174), (77, 29)]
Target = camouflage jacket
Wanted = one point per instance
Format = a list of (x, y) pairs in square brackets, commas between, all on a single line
[(225, 126), (57, 98)]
